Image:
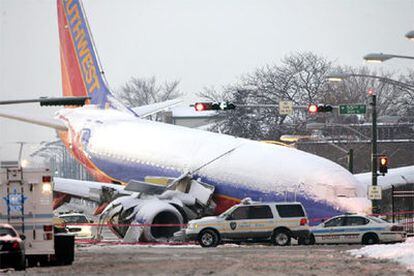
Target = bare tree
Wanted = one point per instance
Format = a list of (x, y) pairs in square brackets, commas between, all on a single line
[(393, 99), (143, 91), (301, 78)]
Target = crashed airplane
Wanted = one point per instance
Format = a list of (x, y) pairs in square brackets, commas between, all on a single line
[(154, 174)]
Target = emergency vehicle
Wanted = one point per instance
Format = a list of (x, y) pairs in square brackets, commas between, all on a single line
[(26, 198), (356, 229), (277, 222)]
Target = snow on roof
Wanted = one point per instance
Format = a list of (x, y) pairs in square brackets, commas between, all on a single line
[(401, 252), (396, 177)]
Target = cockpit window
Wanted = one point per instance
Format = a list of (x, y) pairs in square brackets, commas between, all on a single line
[(345, 192)]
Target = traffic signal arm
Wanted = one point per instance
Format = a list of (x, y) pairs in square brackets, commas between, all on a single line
[(73, 101), (44, 101)]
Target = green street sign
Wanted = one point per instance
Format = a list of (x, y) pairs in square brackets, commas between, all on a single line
[(348, 109)]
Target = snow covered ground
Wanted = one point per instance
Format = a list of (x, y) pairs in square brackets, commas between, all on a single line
[(400, 252)]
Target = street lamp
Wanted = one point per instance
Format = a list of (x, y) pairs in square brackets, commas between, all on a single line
[(410, 35), (380, 57), (339, 76)]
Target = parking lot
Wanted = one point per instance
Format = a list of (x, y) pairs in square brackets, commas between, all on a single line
[(224, 260)]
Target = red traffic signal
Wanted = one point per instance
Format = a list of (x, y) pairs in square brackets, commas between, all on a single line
[(313, 108), (383, 164), (202, 106)]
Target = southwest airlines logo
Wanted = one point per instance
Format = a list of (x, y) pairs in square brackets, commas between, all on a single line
[(15, 201), (84, 50)]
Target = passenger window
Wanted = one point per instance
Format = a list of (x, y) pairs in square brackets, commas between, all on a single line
[(240, 213), (260, 212), (335, 222), (353, 221), (290, 210)]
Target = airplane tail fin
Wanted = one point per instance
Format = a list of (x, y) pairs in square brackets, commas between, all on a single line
[(82, 74)]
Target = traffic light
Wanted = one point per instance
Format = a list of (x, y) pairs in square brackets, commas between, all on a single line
[(325, 108), (313, 108), (383, 164), (204, 106)]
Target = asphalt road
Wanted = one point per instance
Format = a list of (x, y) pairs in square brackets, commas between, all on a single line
[(223, 260)]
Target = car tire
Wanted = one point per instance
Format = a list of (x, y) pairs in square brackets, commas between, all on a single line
[(370, 238), (310, 240), (208, 238), (32, 261), (21, 264), (281, 237)]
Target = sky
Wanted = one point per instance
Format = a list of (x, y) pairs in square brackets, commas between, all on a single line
[(200, 43)]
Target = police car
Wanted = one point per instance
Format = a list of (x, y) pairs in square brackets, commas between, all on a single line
[(251, 221), (355, 229), (78, 224)]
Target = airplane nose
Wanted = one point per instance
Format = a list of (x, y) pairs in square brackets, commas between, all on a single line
[(334, 184)]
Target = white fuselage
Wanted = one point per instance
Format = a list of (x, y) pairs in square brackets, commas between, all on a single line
[(125, 147)]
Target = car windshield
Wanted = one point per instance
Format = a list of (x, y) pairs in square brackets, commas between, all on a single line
[(229, 211), (378, 220), (75, 219), (4, 231)]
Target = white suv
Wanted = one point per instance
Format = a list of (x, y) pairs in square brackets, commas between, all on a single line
[(251, 221)]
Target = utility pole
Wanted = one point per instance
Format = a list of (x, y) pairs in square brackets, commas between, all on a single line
[(373, 104)]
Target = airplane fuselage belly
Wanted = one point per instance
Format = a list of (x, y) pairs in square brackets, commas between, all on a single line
[(226, 193)]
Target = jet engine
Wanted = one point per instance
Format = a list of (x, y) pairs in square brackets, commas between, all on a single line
[(135, 219)]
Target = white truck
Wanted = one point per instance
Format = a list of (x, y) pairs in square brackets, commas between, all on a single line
[(26, 203)]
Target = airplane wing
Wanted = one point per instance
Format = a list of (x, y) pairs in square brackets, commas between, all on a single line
[(150, 109), (89, 190), (33, 118), (396, 177)]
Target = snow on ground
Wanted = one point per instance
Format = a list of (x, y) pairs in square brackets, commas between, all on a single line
[(400, 252), (129, 247)]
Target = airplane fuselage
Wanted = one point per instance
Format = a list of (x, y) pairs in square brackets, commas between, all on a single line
[(120, 147)]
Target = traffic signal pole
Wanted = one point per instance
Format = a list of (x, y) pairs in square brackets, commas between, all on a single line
[(373, 104), (351, 161)]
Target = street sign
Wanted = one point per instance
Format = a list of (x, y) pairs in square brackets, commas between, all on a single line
[(348, 109), (285, 107), (374, 192)]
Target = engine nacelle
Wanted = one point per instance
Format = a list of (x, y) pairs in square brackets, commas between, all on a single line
[(155, 213), (135, 219)]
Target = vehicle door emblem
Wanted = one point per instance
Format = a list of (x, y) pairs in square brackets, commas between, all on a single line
[(233, 225)]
